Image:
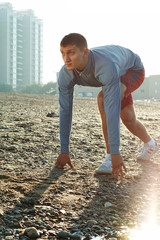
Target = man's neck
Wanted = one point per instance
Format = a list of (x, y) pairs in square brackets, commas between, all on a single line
[(86, 60)]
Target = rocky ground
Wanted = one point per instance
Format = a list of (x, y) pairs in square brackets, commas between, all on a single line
[(40, 201)]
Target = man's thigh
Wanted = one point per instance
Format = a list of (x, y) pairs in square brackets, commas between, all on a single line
[(132, 80)]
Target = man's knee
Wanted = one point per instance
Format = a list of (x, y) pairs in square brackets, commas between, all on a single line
[(100, 99), (123, 91), (100, 104), (128, 115)]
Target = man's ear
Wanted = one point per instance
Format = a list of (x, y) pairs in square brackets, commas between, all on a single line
[(87, 50)]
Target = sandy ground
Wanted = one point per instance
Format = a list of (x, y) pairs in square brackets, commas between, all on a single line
[(32, 190)]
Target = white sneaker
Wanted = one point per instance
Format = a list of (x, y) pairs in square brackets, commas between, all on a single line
[(148, 151), (106, 167)]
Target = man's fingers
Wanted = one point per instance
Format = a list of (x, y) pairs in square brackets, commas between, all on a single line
[(124, 167), (116, 172), (59, 164), (70, 164), (56, 164), (121, 172)]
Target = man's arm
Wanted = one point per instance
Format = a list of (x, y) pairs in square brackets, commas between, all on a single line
[(66, 103), (112, 105)]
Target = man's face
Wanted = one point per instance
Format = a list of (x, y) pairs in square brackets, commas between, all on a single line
[(74, 58)]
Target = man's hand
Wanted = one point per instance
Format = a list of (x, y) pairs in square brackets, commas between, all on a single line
[(62, 160), (117, 165)]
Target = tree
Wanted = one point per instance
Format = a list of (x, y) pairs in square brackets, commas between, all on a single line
[(6, 87), (49, 88), (32, 89)]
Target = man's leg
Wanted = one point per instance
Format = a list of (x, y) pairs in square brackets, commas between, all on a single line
[(106, 167), (137, 128), (103, 114), (133, 125), (103, 118)]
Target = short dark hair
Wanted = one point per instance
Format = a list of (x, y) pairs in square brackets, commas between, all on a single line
[(74, 39)]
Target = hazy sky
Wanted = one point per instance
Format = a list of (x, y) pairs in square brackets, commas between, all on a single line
[(134, 24)]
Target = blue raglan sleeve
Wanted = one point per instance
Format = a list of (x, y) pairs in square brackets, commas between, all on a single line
[(110, 78), (66, 87)]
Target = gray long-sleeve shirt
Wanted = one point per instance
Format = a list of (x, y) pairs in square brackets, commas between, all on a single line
[(105, 66)]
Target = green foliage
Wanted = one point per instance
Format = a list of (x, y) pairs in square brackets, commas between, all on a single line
[(32, 89), (6, 88), (49, 88)]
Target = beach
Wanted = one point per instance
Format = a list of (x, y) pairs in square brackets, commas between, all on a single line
[(72, 203)]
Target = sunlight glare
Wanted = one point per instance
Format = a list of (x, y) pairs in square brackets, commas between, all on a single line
[(146, 231)]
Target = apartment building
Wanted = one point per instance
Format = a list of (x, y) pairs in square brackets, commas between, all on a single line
[(150, 88), (20, 47)]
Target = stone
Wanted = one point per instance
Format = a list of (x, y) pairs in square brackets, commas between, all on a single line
[(52, 232), (75, 236), (1, 212), (91, 222), (97, 227), (61, 188), (63, 211), (76, 218), (108, 204), (9, 238), (63, 234), (31, 232)]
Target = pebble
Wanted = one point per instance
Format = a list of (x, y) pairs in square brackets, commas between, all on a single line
[(1, 212), (32, 232), (76, 218), (108, 204), (52, 232), (91, 222), (63, 234), (97, 227), (9, 238), (75, 236), (63, 211), (61, 188)]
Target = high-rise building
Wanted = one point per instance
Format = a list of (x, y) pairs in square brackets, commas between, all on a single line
[(20, 47)]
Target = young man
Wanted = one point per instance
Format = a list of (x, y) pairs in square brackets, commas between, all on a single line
[(119, 72)]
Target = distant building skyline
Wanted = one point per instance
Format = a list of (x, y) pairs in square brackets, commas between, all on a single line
[(21, 47), (150, 89)]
